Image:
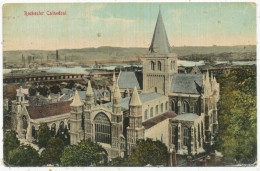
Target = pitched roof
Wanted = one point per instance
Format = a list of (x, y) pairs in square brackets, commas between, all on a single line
[(128, 80), (186, 83), (187, 116), (47, 110), (124, 102), (153, 121), (135, 100), (160, 43)]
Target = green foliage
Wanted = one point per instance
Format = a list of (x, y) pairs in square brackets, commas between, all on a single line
[(53, 151), (11, 142), (24, 155), (64, 136), (149, 152), (119, 162), (44, 135), (86, 153), (237, 115)]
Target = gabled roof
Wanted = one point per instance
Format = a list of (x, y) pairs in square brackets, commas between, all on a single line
[(186, 83), (128, 80), (187, 116), (47, 110), (160, 43), (153, 121)]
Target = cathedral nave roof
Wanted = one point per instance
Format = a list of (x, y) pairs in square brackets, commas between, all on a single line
[(186, 83)]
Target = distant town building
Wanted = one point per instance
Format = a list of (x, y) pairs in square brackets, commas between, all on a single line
[(57, 56)]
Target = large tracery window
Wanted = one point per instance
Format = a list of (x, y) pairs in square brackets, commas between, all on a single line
[(102, 129)]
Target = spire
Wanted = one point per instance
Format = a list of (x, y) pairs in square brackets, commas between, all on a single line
[(207, 76), (114, 77), (76, 101), (160, 43), (117, 92), (211, 76), (135, 100), (89, 89)]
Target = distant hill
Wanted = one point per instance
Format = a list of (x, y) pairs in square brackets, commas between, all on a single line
[(126, 54)]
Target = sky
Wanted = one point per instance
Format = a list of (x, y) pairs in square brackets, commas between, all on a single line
[(127, 25)]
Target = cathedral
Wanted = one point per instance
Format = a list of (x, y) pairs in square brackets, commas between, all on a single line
[(179, 109)]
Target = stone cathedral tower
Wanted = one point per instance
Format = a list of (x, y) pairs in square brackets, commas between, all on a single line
[(76, 132), (135, 130), (159, 64)]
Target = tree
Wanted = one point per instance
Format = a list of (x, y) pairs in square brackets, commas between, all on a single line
[(55, 89), (237, 115), (53, 151), (119, 162), (32, 91), (86, 153), (44, 135), (25, 155), (64, 135), (11, 142), (149, 152)]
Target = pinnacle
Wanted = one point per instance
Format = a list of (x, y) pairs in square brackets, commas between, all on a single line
[(76, 101), (135, 100), (89, 89)]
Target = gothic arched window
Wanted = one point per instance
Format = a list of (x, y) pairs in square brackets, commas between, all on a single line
[(185, 107), (166, 106), (69, 124), (151, 112), (156, 109), (185, 136), (172, 65), (174, 133), (53, 129), (34, 132), (146, 114), (102, 129), (195, 108), (152, 65), (61, 127), (25, 124), (161, 107), (199, 135), (173, 106), (159, 66)]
